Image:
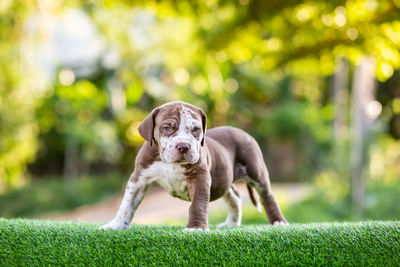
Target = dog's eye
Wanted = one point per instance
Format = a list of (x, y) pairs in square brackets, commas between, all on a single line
[(196, 129), (166, 128)]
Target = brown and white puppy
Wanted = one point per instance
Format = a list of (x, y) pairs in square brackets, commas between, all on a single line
[(196, 166)]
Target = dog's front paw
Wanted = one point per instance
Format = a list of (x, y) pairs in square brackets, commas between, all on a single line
[(280, 223), (193, 229), (113, 225)]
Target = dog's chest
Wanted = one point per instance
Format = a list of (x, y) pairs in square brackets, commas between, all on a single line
[(170, 176)]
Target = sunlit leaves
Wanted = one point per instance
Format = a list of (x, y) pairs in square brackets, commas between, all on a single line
[(225, 56), (385, 160), (134, 92), (74, 113), (18, 128)]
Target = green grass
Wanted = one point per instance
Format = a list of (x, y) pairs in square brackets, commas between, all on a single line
[(42, 243)]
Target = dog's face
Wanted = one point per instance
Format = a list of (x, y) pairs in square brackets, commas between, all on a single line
[(178, 129)]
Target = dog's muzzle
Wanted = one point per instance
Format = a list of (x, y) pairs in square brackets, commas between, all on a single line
[(178, 150)]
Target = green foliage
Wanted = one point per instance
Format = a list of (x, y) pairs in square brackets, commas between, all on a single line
[(258, 65), (52, 195), (75, 114), (385, 160), (24, 242), (294, 119), (18, 128), (381, 203)]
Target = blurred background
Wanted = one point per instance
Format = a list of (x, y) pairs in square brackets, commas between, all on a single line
[(317, 83)]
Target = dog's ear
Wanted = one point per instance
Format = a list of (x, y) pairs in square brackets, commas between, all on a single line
[(146, 128), (204, 124)]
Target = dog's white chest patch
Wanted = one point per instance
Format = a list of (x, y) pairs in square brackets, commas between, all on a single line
[(170, 176)]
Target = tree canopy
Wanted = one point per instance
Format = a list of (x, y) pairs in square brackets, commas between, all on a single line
[(77, 77)]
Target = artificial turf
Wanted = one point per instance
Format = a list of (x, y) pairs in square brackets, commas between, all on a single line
[(43, 243)]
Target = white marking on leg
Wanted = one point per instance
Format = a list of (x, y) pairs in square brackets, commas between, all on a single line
[(170, 176), (258, 207), (134, 194), (234, 203)]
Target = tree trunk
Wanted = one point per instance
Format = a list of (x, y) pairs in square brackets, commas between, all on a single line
[(362, 94), (340, 100), (340, 123)]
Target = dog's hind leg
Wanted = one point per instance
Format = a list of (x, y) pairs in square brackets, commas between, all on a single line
[(271, 207), (232, 199), (251, 157), (260, 179)]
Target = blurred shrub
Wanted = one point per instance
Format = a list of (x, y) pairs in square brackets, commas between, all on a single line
[(18, 95), (74, 118), (228, 57), (297, 119), (334, 187), (381, 204), (384, 164), (52, 195), (298, 134)]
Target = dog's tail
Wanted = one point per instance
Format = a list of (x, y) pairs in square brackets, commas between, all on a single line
[(253, 198)]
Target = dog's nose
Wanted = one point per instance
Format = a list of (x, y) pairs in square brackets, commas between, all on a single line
[(183, 147)]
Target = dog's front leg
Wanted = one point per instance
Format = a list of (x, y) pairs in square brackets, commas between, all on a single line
[(199, 188), (134, 193)]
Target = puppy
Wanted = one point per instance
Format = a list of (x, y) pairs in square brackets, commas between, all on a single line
[(196, 166)]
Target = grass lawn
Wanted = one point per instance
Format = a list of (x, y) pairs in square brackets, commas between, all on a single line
[(41, 243)]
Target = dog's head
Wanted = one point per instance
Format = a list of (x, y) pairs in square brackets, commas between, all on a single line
[(178, 129)]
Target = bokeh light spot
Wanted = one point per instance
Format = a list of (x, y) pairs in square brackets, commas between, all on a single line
[(374, 109), (273, 44), (352, 33), (181, 76), (327, 20), (340, 20), (85, 116), (67, 77), (396, 106), (231, 85), (62, 107), (244, 2)]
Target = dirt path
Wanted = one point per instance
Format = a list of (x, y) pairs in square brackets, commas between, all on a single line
[(159, 207)]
